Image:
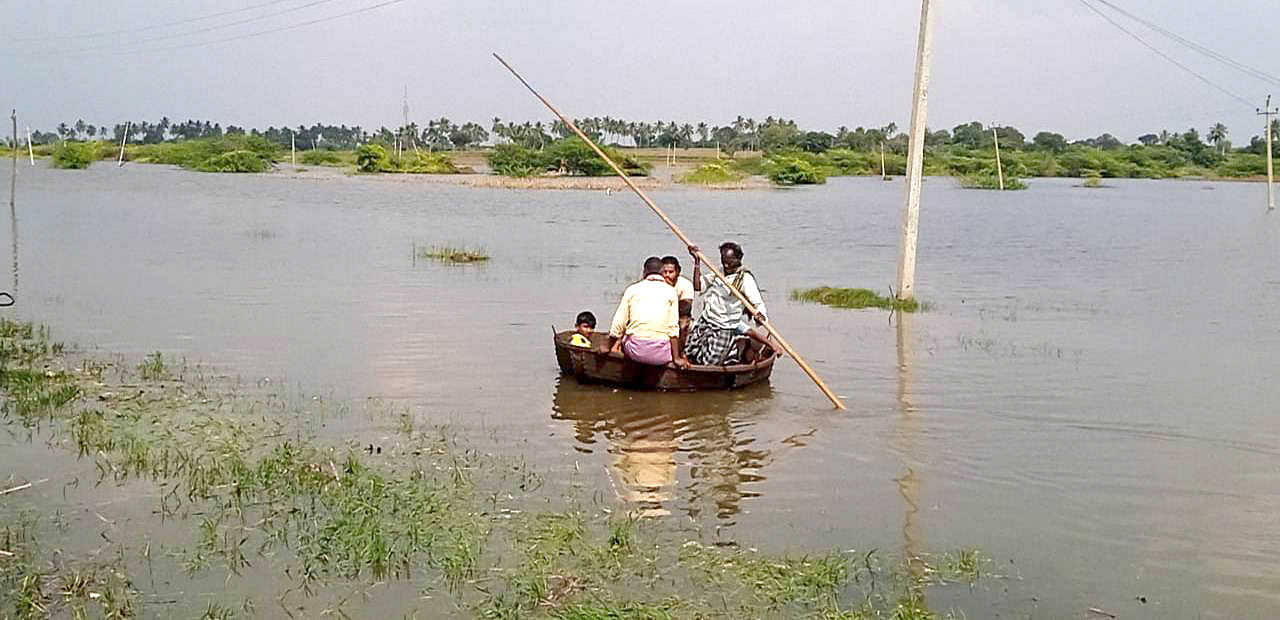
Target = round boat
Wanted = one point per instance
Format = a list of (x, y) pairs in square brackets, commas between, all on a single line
[(593, 366)]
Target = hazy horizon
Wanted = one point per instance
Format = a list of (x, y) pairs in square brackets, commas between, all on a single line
[(824, 64)]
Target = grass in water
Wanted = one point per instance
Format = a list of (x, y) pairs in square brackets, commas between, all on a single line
[(990, 181), (713, 174), (453, 254), (258, 497), (855, 298)]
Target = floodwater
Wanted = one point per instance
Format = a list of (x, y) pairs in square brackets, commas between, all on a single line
[(1092, 402)]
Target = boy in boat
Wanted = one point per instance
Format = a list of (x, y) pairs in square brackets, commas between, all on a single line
[(724, 317), (586, 324), (646, 326), (684, 289)]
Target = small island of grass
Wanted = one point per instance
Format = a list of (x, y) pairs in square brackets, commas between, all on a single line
[(855, 298), (453, 254), (714, 173)]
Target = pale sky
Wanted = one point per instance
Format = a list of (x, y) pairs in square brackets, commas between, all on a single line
[(1034, 64)]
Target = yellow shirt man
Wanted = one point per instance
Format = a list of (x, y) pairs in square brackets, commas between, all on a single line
[(648, 311)]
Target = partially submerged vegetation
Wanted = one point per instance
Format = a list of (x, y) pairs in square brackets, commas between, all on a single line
[(567, 156), (373, 158), (855, 298), (453, 254), (74, 155), (246, 493), (991, 181), (713, 173)]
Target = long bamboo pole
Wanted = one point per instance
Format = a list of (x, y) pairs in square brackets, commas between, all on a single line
[(808, 370)]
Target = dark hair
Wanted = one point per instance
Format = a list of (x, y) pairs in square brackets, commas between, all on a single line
[(729, 245), (652, 265), (671, 260), (586, 317)]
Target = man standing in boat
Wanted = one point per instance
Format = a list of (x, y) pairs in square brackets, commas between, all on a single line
[(646, 326), (723, 318)]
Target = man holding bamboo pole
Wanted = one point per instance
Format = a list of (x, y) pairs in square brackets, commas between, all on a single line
[(712, 340)]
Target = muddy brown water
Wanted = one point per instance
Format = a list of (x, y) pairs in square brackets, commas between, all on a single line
[(1092, 402)]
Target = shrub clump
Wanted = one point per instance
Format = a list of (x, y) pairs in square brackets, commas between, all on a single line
[(371, 158), (784, 170), (513, 160), (235, 161), (990, 181), (320, 158), (712, 174), (74, 155), (425, 163), (855, 298), (199, 153), (569, 156)]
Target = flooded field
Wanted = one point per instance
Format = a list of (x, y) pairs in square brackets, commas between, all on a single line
[(1091, 402)]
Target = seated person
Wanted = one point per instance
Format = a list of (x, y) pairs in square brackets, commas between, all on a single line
[(712, 340), (586, 324), (684, 288), (646, 326)]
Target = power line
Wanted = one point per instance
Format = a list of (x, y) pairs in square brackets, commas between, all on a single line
[(186, 33), (1165, 56), (265, 32), (109, 33), (1222, 58)]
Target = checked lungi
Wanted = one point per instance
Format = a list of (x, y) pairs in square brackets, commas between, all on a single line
[(711, 346)]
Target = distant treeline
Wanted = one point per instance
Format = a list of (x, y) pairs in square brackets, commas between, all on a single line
[(965, 149)]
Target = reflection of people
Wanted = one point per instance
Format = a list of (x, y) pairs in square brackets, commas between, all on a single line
[(712, 337), (585, 324), (645, 327), (652, 435)]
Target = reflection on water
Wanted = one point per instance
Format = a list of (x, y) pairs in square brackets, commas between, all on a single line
[(651, 436), (908, 445), (13, 235)]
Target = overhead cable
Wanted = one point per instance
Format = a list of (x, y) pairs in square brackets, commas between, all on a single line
[(110, 33), (1222, 58), (1165, 56)]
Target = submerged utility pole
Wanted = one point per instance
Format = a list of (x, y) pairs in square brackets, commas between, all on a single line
[(1267, 112), (884, 172), (995, 137), (13, 179), (127, 127), (915, 156)]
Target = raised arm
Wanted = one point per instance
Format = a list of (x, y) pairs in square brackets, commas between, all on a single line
[(697, 268)]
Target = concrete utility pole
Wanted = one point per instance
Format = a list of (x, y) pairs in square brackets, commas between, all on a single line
[(127, 126), (884, 173), (13, 179), (915, 156), (1267, 112), (293, 148), (31, 152), (999, 168)]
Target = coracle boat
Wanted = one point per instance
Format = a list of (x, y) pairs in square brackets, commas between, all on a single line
[(593, 366)]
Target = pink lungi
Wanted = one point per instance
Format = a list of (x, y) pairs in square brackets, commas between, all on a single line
[(655, 352)]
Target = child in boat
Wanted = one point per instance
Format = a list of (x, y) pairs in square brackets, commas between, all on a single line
[(586, 324)]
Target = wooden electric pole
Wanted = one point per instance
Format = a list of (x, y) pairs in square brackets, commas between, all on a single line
[(1267, 112), (915, 156), (293, 148), (999, 168)]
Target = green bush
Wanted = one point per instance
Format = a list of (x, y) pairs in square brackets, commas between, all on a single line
[(425, 163), (986, 180), (513, 160), (785, 170), (235, 161), (371, 158), (196, 154), (74, 155), (320, 158), (573, 156), (713, 173)]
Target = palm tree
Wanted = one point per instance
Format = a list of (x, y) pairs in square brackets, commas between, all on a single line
[(1218, 136)]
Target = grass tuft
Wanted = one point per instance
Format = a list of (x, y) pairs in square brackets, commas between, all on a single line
[(714, 173), (454, 254), (855, 298)]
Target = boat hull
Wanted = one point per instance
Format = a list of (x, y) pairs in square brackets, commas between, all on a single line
[(590, 365)]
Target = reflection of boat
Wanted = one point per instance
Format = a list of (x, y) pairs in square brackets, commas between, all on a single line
[(593, 366), (654, 440)]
